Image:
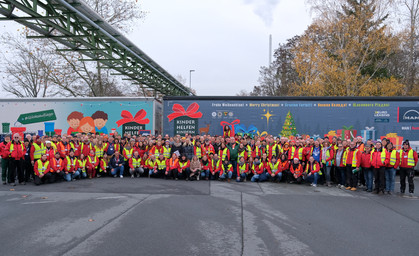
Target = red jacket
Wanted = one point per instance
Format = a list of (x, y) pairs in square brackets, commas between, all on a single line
[(92, 162), (56, 165), (397, 163), (74, 164), (36, 168), (238, 169), (403, 160), (3, 152), (310, 167), (181, 169), (342, 164), (297, 172), (366, 160), (376, 160), (18, 151), (350, 156), (50, 153)]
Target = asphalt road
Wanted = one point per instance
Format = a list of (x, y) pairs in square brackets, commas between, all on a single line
[(113, 216)]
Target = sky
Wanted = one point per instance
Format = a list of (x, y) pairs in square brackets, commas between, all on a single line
[(225, 42)]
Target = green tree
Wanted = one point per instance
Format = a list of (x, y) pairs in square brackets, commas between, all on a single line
[(289, 128)]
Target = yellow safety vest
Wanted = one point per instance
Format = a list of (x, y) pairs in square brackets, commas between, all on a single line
[(229, 166), (182, 164), (42, 168), (136, 162), (104, 164), (128, 153), (354, 160), (150, 163), (393, 157), (94, 159), (39, 150), (274, 167), (242, 168), (249, 150), (410, 159), (70, 163), (166, 152), (99, 151), (224, 153), (161, 164), (198, 152)]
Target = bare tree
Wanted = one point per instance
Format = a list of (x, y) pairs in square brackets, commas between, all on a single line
[(62, 72)]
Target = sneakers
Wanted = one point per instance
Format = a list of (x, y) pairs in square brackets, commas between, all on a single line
[(369, 190), (120, 176), (389, 193), (115, 176), (197, 178), (348, 188), (132, 176), (411, 194), (353, 189), (313, 185)]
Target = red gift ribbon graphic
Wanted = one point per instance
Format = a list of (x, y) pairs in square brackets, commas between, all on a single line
[(178, 111), (138, 118), (232, 124)]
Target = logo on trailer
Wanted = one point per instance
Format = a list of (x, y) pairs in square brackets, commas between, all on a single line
[(408, 114)]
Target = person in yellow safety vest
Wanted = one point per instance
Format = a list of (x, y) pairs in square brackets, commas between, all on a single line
[(172, 165), (206, 167), (81, 167), (275, 170), (242, 170), (227, 170), (271, 148), (37, 149), (312, 171), (184, 170), (71, 166), (42, 171), (16, 151), (103, 165), (391, 166), (151, 164), (224, 152), (242, 152), (326, 157), (127, 152), (99, 149), (166, 149), (352, 159), (92, 164), (198, 150), (379, 160), (215, 166), (408, 160), (135, 168)]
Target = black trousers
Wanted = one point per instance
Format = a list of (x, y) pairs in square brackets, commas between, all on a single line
[(177, 174), (410, 173), (351, 178), (15, 168), (379, 179), (47, 178), (28, 169)]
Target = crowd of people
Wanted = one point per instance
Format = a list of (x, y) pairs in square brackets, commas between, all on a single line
[(347, 164)]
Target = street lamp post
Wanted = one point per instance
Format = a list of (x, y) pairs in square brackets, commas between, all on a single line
[(190, 77)]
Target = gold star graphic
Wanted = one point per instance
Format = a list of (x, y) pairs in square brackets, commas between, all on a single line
[(268, 116)]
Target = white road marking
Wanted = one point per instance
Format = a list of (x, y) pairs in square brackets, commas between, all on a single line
[(110, 197), (42, 202)]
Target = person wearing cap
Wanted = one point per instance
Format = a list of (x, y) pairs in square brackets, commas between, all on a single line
[(226, 170), (49, 150), (135, 163), (207, 148), (16, 151), (312, 171), (296, 170), (37, 149), (408, 160), (42, 171), (27, 165)]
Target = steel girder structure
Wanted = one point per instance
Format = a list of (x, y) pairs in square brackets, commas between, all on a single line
[(76, 26)]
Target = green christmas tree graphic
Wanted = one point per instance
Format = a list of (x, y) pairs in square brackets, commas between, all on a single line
[(289, 128)]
